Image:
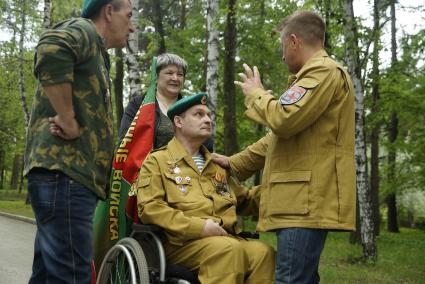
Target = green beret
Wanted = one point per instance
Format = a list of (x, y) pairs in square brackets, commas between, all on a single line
[(91, 7), (185, 103)]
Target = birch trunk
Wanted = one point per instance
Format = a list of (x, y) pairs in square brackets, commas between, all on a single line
[(21, 61), (132, 58), (363, 193), (212, 60), (374, 137), (47, 18)]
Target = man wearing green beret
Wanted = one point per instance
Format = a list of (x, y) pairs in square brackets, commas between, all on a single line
[(70, 137), (196, 202)]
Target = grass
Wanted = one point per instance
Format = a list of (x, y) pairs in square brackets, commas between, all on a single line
[(13, 202), (401, 257)]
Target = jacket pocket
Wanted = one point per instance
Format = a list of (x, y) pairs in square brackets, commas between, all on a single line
[(178, 189), (289, 193)]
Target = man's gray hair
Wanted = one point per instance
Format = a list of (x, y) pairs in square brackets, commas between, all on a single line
[(167, 59)]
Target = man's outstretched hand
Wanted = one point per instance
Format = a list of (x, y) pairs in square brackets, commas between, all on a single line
[(250, 80), (221, 160)]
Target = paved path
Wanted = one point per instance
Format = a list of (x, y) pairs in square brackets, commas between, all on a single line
[(16, 250)]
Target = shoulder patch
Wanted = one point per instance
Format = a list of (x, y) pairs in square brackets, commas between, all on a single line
[(292, 95)]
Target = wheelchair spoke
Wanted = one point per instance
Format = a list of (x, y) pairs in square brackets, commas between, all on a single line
[(124, 263)]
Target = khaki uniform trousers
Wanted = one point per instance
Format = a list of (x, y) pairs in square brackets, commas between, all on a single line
[(226, 260)]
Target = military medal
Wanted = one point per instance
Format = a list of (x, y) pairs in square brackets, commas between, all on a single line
[(173, 168), (176, 170), (220, 183), (179, 179), (182, 188), (187, 179)]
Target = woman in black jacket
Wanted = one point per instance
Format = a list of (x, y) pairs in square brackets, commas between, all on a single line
[(171, 72)]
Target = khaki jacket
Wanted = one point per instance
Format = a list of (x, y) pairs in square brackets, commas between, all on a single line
[(174, 195), (308, 158)]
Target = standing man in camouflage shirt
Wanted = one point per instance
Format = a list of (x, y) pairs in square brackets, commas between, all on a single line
[(70, 137)]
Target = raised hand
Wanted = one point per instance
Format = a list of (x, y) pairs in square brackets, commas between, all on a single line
[(251, 80)]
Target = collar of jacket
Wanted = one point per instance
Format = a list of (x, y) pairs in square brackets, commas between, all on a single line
[(319, 55), (178, 152)]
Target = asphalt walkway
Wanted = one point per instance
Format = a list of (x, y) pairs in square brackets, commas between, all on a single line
[(16, 248)]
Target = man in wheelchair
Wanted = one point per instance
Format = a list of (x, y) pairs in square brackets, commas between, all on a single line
[(196, 202)]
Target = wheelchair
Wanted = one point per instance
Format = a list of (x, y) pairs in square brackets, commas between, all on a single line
[(140, 259)]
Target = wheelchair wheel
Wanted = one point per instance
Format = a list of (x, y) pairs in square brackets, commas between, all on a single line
[(125, 262)]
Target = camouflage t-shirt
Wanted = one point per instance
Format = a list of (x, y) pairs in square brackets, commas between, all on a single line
[(73, 52)]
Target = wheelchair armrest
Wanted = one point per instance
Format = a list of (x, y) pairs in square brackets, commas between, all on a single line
[(142, 228), (249, 235)]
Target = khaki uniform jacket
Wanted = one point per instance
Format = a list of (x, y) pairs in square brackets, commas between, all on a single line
[(174, 195), (308, 158)]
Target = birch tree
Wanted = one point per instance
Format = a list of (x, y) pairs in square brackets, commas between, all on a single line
[(21, 60), (132, 58), (376, 121), (212, 60), (47, 16), (363, 193)]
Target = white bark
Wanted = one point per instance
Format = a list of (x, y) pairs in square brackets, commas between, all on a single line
[(363, 191), (21, 63), (47, 18), (132, 58), (212, 62)]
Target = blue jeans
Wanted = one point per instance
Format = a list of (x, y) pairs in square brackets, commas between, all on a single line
[(298, 255), (64, 211)]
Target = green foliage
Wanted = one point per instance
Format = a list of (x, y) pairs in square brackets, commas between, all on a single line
[(403, 92), (63, 9), (12, 127), (256, 25), (254, 33)]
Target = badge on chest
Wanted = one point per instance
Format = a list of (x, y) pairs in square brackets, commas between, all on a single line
[(181, 181), (220, 183)]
